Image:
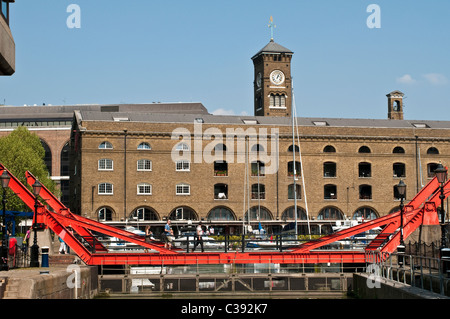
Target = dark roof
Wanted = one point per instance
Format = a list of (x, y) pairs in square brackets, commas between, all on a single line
[(66, 111), (272, 47), (261, 120)]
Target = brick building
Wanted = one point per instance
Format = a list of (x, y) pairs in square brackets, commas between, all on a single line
[(140, 167), (7, 45)]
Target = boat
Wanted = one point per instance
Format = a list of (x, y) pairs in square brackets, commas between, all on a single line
[(208, 242)]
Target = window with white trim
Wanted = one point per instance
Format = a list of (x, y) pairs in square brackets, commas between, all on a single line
[(144, 146), (183, 166), (105, 189), (105, 164), (183, 189), (144, 165), (105, 146), (144, 189)]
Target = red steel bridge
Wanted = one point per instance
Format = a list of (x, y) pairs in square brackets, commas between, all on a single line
[(78, 233)]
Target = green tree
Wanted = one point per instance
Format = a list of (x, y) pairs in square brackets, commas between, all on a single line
[(22, 151)]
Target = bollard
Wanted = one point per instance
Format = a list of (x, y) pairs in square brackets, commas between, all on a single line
[(44, 252)]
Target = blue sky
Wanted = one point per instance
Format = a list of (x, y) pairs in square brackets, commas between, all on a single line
[(145, 51)]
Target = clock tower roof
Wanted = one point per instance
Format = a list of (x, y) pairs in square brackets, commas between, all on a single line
[(272, 47)]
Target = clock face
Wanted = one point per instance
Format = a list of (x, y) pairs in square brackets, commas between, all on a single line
[(259, 79), (277, 77)]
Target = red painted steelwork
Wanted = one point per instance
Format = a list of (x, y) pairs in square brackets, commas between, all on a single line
[(421, 210)]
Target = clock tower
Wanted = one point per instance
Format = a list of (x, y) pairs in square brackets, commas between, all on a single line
[(272, 82)]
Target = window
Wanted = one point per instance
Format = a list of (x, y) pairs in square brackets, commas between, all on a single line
[(258, 191), (291, 169), (183, 213), (330, 213), (257, 148), (182, 147), (288, 214), (258, 168), (144, 213), (47, 157), (365, 192), (105, 214), (183, 166), (105, 164), (277, 100), (144, 165), (183, 189), (291, 194), (144, 146), (329, 149), (105, 189), (220, 191), (330, 191), (258, 213), (365, 169), (329, 169), (399, 170), (105, 146), (221, 213), (365, 213), (398, 150), (291, 149), (220, 168), (144, 189), (364, 149), (433, 151), (431, 167)]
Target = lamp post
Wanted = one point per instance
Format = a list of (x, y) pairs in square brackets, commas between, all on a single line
[(401, 189), (34, 258), (441, 175), (4, 249)]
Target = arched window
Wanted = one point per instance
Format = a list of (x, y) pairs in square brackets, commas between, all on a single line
[(365, 192), (257, 148), (220, 168), (105, 146), (298, 169), (365, 169), (258, 213), (399, 169), (329, 169), (144, 213), (220, 191), (144, 189), (221, 213), (144, 165), (182, 147), (329, 149), (330, 213), (398, 150), (365, 213), (364, 149), (291, 149), (47, 157), (433, 151), (105, 164), (277, 100), (65, 160), (258, 191), (105, 214), (288, 214), (183, 213), (291, 193), (258, 168), (105, 189), (330, 191), (144, 146)]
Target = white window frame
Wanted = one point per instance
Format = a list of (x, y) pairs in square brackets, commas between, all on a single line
[(144, 164), (183, 166), (105, 161), (105, 145), (183, 189), (144, 146), (105, 189), (145, 187)]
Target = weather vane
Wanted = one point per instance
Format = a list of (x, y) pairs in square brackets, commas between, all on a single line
[(271, 26)]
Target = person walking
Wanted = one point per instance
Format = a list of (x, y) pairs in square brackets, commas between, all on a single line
[(198, 237)]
